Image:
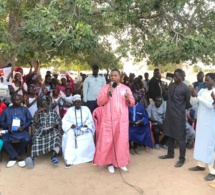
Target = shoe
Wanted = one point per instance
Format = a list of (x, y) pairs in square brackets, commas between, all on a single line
[(209, 177), (136, 152), (29, 162), (180, 163), (131, 150), (124, 168), (21, 163), (54, 161), (166, 157), (164, 146), (68, 166), (111, 169), (11, 163), (157, 146), (197, 168), (94, 163)]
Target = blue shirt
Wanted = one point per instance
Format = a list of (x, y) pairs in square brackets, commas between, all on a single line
[(200, 85), (10, 112), (155, 113)]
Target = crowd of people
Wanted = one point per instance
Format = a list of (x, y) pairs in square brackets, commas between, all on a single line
[(104, 119)]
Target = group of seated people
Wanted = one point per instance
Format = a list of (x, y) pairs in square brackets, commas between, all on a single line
[(53, 106), (47, 136)]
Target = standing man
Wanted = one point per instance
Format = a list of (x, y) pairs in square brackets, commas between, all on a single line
[(112, 145), (91, 87), (174, 124), (205, 130), (155, 89), (200, 84), (146, 81)]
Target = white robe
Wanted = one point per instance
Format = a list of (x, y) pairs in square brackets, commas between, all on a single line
[(85, 143), (204, 149)]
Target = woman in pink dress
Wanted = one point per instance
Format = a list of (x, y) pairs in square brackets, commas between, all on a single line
[(112, 144), (66, 82)]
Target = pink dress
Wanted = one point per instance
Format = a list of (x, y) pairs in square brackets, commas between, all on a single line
[(112, 144)]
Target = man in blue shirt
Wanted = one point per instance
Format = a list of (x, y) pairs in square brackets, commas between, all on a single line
[(16, 119), (156, 112), (200, 81), (139, 130)]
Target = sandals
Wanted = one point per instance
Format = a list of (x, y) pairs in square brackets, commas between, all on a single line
[(68, 166), (11, 163), (29, 162), (54, 161), (209, 177)]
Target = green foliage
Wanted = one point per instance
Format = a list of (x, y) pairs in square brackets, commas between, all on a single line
[(167, 31), (163, 31), (209, 70), (63, 30), (196, 68), (170, 67)]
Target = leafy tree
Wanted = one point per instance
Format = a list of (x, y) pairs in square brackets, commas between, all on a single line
[(64, 29), (165, 31)]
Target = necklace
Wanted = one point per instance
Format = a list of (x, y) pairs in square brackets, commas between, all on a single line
[(77, 132)]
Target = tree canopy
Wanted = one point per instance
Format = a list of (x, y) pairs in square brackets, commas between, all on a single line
[(72, 31)]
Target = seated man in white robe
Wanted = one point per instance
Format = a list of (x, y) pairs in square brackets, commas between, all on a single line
[(78, 141)]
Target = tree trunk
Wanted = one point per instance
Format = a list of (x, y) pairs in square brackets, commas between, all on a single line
[(13, 26)]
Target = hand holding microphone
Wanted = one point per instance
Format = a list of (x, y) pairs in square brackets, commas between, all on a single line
[(110, 91), (111, 88)]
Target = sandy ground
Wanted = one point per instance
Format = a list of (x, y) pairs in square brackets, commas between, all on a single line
[(154, 176)]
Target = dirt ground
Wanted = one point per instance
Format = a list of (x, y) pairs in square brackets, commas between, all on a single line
[(154, 176)]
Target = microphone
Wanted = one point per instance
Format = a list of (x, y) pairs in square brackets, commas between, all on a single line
[(112, 84)]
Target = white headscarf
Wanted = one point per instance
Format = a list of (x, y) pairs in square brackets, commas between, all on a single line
[(63, 77), (76, 97)]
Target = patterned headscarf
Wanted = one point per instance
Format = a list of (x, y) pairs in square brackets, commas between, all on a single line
[(35, 77)]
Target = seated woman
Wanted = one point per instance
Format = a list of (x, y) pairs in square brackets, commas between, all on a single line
[(78, 126), (46, 137), (139, 130)]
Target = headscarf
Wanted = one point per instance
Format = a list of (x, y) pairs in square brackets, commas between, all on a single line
[(63, 77), (17, 68), (35, 77), (15, 73)]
